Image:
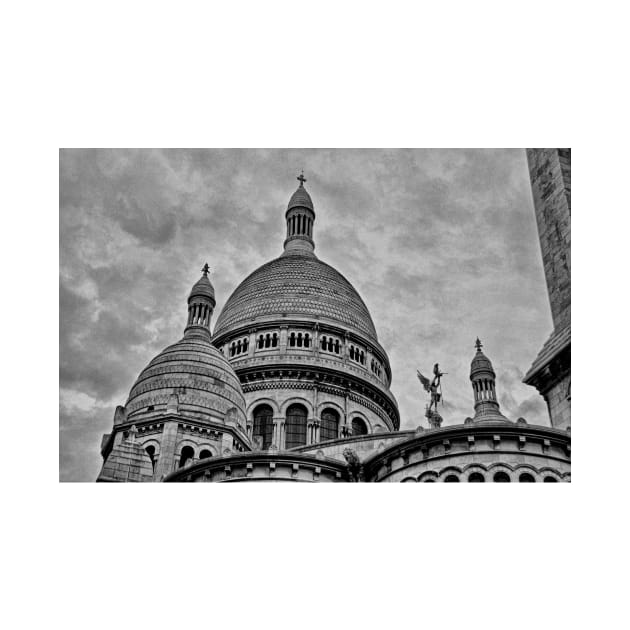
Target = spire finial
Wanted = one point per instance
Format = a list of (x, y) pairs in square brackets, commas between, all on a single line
[(301, 179), (205, 269), (478, 345)]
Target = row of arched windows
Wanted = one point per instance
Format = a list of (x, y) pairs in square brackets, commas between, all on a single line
[(329, 344), (295, 425), (498, 477), (187, 455), (357, 355), (299, 340), (303, 340), (239, 347), (270, 340)]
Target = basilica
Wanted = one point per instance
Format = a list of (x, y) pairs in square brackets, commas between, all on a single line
[(292, 384)]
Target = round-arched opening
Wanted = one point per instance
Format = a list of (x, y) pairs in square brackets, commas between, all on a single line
[(329, 427), (501, 477), (526, 478), (151, 453), (359, 427), (550, 479), (408, 480), (263, 426), (428, 481), (295, 426), (205, 454), (476, 477), (451, 479), (187, 456)]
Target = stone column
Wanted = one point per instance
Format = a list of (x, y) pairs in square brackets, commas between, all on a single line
[(252, 342), (283, 339), (344, 428), (168, 444)]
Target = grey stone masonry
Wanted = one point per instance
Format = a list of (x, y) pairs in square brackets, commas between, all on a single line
[(550, 175)]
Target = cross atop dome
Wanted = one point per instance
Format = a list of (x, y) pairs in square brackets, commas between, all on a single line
[(478, 345), (205, 269), (301, 179)]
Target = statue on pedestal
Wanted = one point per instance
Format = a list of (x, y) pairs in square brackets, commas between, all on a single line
[(434, 388)]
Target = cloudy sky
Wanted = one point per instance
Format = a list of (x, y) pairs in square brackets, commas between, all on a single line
[(441, 245)]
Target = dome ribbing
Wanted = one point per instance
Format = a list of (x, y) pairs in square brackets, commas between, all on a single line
[(296, 284)]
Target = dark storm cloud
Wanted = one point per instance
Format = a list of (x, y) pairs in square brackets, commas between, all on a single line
[(441, 245)]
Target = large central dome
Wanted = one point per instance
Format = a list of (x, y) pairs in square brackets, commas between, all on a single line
[(296, 284)]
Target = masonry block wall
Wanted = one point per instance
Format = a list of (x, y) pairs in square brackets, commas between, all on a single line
[(550, 175)]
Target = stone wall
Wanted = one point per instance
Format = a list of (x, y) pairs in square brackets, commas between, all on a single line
[(550, 175), (453, 453)]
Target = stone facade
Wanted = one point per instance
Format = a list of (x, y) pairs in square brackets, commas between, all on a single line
[(294, 384), (517, 452), (550, 175)]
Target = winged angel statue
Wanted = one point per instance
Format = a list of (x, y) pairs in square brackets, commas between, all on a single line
[(432, 387)]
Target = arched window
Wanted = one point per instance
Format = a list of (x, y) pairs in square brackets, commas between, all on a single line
[(352, 352), (263, 425), (451, 479), (526, 478), (295, 426), (501, 477), (476, 477), (307, 340), (261, 341), (337, 346), (299, 340), (358, 427), (267, 340), (245, 345), (205, 454), (550, 479), (187, 456), (329, 429), (330, 344), (322, 342), (151, 453), (238, 347), (362, 359), (274, 340), (292, 339), (408, 480)]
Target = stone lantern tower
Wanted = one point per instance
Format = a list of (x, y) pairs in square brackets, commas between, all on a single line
[(483, 379)]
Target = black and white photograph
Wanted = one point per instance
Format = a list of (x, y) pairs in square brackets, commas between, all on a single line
[(386, 315)]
